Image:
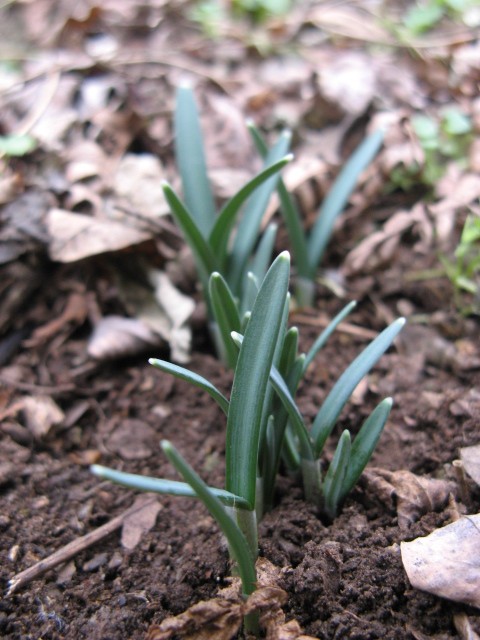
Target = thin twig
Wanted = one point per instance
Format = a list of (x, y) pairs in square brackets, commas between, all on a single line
[(71, 549), (344, 327)]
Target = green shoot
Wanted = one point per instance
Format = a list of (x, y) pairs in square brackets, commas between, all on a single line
[(264, 424), (309, 251), (464, 270), (226, 242)]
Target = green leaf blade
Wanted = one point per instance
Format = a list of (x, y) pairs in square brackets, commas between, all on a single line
[(225, 312), (364, 444), (161, 485), (251, 378), (334, 480), (338, 197), (239, 548), (345, 385), (189, 151), (221, 231), (192, 378), (204, 257)]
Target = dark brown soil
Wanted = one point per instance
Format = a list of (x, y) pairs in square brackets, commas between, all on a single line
[(344, 580)]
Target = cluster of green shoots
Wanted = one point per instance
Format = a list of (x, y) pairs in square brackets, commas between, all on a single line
[(248, 304), (443, 138), (423, 16), (264, 427), (231, 242)]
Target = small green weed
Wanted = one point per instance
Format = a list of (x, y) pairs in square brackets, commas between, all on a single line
[(464, 270), (424, 16), (443, 139)]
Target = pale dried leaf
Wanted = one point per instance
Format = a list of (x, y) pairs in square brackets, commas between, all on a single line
[(141, 522), (464, 627), (133, 440), (378, 249), (162, 308), (470, 457), (41, 413), (457, 191), (410, 495), (447, 562), (349, 81), (138, 184), (75, 311), (74, 236), (87, 160), (117, 337)]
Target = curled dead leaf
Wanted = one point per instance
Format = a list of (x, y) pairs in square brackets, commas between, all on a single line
[(117, 337), (447, 562), (41, 413), (74, 236), (138, 523), (221, 617), (378, 248), (410, 495)]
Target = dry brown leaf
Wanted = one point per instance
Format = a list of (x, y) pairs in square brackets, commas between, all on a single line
[(74, 236), (378, 249), (215, 619), (349, 82), (133, 440), (41, 413), (118, 337), (138, 185), (447, 562), (75, 311), (470, 457), (410, 495), (141, 522), (221, 617)]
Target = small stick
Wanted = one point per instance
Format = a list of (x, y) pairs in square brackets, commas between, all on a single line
[(343, 327), (71, 549)]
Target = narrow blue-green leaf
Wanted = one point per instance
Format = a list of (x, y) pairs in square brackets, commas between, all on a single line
[(249, 293), (338, 197), (161, 485), (263, 253), (193, 378), (226, 315), (248, 228), (251, 379), (364, 444), (220, 234), (325, 335), (290, 212), (333, 483), (289, 351), (204, 257), (190, 156), (239, 548), (343, 388), (291, 408), (296, 420)]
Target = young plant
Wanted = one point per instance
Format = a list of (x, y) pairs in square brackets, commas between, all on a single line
[(224, 243), (308, 251), (464, 270), (264, 423), (244, 411)]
